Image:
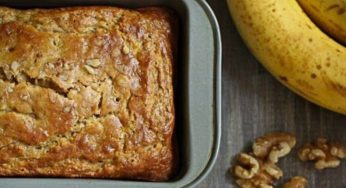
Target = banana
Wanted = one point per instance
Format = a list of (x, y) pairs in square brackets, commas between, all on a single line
[(330, 15), (286, 41)]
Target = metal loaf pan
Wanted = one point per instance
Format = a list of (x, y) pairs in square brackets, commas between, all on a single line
[(198, 93)]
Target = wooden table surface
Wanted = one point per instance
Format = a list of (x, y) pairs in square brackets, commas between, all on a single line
[(255, 103)]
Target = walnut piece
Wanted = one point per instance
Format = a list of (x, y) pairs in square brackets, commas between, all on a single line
[(89, 69), (273, 146), (126, 49), (248, 168), (252, 172), (325, 154), (297, 182), (259, 169), (94, 62), (14, 66)]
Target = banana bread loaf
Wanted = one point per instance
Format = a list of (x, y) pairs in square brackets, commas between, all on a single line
[(87, 92)]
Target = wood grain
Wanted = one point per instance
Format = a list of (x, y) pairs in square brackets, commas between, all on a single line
[(254, 103)]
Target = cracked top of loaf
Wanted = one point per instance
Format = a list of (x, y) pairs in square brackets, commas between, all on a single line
[(87, 92)]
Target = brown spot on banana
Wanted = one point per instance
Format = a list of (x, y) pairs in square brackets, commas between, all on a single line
[(309, 26), (331, 7), (313, 76), (283, 78), (341, 11)]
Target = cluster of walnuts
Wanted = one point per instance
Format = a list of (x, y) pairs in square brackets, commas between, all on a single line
[(325, 154), (258, 169)]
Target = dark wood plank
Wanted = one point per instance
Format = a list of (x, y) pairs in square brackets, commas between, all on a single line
[(254, 103)]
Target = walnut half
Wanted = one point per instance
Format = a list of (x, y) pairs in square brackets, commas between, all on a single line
[(325, 154), (252, 172), (297, 182), (273, 146)]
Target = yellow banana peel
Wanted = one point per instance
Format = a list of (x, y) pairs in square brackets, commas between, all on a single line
[(329, 15), (287, 42)]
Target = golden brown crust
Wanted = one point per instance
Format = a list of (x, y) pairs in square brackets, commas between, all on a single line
[(86, 92)]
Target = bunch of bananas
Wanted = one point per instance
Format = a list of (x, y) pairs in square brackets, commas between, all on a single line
[(301, 42)]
